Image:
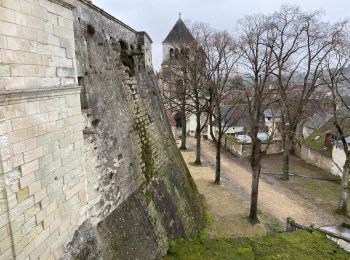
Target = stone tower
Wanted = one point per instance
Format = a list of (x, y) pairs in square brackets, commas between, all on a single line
[(173, 45)]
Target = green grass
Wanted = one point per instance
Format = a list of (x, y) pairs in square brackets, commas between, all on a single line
[(295, 245)]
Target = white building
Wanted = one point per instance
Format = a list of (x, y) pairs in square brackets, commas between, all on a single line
[(338, 157)]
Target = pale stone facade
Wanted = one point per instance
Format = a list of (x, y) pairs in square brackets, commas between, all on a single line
[(41, 175)]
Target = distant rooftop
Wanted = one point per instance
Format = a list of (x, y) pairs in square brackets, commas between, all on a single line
[(179, 33)]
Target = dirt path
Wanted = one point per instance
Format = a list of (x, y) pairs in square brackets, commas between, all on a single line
[(274, 200), (227, 210)]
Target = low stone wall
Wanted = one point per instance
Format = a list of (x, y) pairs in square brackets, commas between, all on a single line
[(245, 149), (314, 157)]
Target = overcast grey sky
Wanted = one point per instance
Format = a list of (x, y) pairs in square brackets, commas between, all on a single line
[(157, 17)]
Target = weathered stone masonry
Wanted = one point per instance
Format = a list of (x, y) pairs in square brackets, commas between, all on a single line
[(89, 168)]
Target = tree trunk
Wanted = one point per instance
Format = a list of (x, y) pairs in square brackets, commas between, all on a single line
[(344, 187), (198, 139), (218, 160), (184, 132), (256, 167), (286, 152)]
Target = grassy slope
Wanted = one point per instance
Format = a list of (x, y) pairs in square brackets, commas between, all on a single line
[(295, 245)]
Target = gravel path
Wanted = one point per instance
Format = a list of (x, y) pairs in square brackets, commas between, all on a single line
[(274, 200)]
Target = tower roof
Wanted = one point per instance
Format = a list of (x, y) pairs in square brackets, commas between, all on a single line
[(179, 33)]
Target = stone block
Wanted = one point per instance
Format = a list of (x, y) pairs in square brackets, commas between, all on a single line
[(7, 165), (40, 216), (67, 81), (51, 208), (20, 208), (17, 160), (48, 220), (30, 144), (26, 7), (30, 167), (65, 72), (51, 127), (17, 44), (40, 239), (4, 232), (55, 189), (28, 226), (35, 22), (35, 187), (22, 194), (12, 201), (4, 219), (5, 244), (5, 127), (22, 70), (66, 62), (53, 116), (19, 242), (53, 40), (7, 15), (19, 147), (3, 42), (45, 255), (40, 195), (7, 56), (33, 154), (18, 136), (35, 59), (27, 180), (27, 250), (44, 139), (59, 252), (12, 4), (34, 233), (39, 11), (38, 251), (75, 190), (32, 108), (21, 123), (10, 29), (31, 212), (46, 160), (67, 43), (21, 18), (5, 70)]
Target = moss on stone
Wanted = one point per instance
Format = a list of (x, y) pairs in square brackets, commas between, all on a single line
[(148, 196), (146, 153)]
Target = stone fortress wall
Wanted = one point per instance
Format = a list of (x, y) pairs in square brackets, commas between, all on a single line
[(88, 165)]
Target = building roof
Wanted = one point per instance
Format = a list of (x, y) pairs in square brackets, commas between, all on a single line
[(317, 120), (316, 140), (272, 112), (179, 33)]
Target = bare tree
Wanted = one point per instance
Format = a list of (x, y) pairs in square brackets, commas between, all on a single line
[(257, 64), (336, 77), (196, 72), (221, 58), (300, 43)]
